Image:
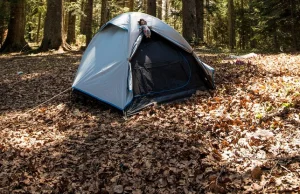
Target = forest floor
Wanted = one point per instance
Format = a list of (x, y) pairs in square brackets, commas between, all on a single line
[(243, 137)]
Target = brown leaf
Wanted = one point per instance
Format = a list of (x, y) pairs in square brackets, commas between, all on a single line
[(256, 173), (118, 189)]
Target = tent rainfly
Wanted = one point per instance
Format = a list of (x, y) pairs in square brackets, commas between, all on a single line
[(123, 68)]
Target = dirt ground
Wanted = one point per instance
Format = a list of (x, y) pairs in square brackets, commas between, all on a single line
[(243, 137)]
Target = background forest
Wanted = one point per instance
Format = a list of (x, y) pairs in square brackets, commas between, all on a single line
[(232, 24)]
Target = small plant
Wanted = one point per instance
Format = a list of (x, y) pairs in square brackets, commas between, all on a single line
[(258, 116), (287, 104)]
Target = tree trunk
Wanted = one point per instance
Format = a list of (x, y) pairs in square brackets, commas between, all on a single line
[(71, 36), (53, 28), (83, 18), (103, 12), (131, 5), (37, 39), (89, 20), (166, 10), (4, 18), (188, 19), (151, 7), (207, 26), (231, 24), (15, 40), (242, 30), (159, 9), (200, 19), (65, 18)]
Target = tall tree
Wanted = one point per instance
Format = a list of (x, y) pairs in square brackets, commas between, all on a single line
[(165, 12), (37, 38), (15, 40), (231, 24), (188, 19), (89, 20), (242, 26), (104, 12), (53, 29), (71, 36), (82, 17), (200, 19), (159, 9), (4, 18), (131, 5), (151, 7), (207, 26)]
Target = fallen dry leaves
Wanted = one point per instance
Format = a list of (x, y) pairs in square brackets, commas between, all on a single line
[(243, 137)]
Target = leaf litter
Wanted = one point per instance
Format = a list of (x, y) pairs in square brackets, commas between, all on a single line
[(242, 137)]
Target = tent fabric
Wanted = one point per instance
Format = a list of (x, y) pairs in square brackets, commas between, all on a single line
[(130, 20), (103, 72), (122, 68)]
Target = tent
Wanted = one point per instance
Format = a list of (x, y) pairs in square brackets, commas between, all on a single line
[(123, 68)]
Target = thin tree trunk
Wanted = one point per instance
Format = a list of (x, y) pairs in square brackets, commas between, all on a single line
[(65, 19), (163, 10), (151, 7), (4, 19), (188, 17), (200, 19), (207, 26), (71, 36), (231, 24), (103, 12), (165, 14), (159, 9), (89, 20), (37, 38), (53, 28), (251, 41), (242, 30), (83, 18), (15, 40), (131, 5)]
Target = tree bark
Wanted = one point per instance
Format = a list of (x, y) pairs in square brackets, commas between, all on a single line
[(242, 30), (151, 7), (188, 17), (83, 18), (159, 9), (200, 19), (103, 12), (231, 24), (89, 20), (37, 38), (15, 40), (53, 29), (131, 5), (166, 7), (4, 19), (71, 36), (207, 26)]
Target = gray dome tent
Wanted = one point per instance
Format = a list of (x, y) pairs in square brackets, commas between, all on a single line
[(129, 72)]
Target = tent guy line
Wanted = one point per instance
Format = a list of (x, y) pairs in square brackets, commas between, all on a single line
[(48, 100)]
